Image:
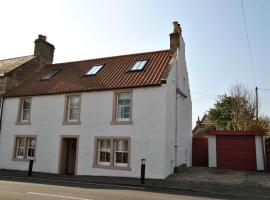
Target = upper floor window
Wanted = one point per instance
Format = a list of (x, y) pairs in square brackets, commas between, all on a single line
[(122, 109), (139, 65), (24, 112), (94, 70), (72, 109)]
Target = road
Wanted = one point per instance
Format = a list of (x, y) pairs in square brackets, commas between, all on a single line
[(34, 189)]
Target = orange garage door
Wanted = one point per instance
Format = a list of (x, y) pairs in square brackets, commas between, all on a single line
[(236, 152)]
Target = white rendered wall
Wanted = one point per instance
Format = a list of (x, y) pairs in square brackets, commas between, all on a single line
[(184, 109), (147, 133), (259, 152), (212, 151)]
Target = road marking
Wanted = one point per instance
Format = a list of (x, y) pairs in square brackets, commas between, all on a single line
[(59, 196), (76, 182)]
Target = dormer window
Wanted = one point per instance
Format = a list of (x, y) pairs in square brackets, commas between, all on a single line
[(139, 65), (50, 75), (94, 70)]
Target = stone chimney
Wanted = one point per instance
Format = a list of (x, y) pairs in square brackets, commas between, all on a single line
[(175, 36), (44, 51)]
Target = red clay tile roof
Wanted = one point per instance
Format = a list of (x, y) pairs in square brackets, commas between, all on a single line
[(115, 74)]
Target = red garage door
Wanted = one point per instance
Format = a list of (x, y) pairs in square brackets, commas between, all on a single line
[(200, 152), (236, 152)]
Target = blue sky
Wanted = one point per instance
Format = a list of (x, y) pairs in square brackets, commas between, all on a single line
[(213, 30)]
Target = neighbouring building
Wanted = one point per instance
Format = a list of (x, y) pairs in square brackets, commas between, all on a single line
[(202, 127), (14, 71), (102, 116)]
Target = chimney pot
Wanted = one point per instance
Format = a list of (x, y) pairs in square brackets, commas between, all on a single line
[(42, 37), (176, 27)]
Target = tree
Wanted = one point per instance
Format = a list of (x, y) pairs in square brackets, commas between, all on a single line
[(236, 111), (221, 113)]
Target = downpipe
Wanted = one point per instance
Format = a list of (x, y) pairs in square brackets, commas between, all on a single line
[(176, 113), (1, 114)]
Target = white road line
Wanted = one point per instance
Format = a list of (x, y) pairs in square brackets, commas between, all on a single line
[(76, 182), (59, 196)]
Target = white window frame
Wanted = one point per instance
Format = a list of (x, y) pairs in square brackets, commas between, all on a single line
[(28, 139), (17, 147), (123, 151), (24, 110), (123, 106), (24, 147), (75, 107), (107, 150), (111, 164)]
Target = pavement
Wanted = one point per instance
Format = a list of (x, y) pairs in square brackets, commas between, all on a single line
[(208, 188)]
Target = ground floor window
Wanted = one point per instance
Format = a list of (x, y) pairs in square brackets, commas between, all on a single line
[(104, 152), (121, 153), (24, 147), (112, 152)]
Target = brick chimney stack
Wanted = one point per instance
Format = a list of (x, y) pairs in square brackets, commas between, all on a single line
[(175, 36), (44, 51)]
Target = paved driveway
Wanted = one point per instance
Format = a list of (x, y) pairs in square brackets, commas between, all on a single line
[(207, 175)]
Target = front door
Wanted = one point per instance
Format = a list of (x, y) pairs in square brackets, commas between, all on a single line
[(68, 156)]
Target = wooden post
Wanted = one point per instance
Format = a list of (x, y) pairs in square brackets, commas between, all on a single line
[(257, 103)]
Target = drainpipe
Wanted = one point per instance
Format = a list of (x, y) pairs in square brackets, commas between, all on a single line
[(1, 112), (176, 111)]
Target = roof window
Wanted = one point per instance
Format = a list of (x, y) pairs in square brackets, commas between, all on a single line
[(50, 74), (139, 65), (94, 69)]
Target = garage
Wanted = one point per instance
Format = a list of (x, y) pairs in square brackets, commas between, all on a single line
[(238, 150)]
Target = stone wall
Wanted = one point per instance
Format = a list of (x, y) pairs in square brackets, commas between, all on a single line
[(22, 73)]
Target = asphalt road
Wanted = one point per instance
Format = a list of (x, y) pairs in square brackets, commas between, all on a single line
[(33, 190)]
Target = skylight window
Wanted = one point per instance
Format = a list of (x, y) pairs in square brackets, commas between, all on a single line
[(50, 75), (94, 70), (139, 65)]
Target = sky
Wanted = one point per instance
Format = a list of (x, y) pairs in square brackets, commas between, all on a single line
[(217, 51)]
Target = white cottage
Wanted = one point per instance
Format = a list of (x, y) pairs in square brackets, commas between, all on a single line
[(102, 116)]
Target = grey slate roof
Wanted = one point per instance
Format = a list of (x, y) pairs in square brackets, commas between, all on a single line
[(10, 64)]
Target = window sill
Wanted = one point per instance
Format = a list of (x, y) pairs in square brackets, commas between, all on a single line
[(72, 123), (114, 122), (128, 168), (22, 123), (22, 159)]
